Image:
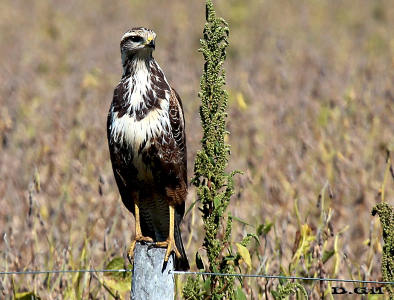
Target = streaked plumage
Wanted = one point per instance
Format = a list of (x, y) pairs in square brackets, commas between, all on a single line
[(147, 143)]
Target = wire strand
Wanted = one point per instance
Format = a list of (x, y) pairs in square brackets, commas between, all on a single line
[(282, 277), (196, 273), (62, 271)]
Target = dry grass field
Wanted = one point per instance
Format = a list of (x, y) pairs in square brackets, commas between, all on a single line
[(311, 90)]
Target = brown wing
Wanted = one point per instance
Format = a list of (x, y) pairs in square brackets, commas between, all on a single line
[(118, 153), (168, 155), (178, 191), (121, 159)]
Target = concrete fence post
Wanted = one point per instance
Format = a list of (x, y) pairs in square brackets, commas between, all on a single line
[(151, 277)]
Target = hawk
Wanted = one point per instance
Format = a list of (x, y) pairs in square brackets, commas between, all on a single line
[(147, 145)]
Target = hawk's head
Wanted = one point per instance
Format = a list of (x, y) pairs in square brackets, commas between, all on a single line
[(139, 42)]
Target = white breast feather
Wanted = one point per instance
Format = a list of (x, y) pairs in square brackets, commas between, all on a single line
[(128, 130), (139, 88)]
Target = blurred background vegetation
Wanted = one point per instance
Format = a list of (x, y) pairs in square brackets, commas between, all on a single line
[(311, 100)]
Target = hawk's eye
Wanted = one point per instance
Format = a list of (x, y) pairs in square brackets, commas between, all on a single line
[(136, 39)]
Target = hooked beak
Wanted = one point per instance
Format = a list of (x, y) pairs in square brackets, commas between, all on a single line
[(152, 44)]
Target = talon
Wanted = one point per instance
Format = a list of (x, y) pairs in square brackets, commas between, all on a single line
[(130, 253), (170, 245)]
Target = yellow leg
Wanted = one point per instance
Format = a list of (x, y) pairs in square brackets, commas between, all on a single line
[(170, 242), (138, 233)]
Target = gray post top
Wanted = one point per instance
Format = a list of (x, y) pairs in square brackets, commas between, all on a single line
[(150, 280)]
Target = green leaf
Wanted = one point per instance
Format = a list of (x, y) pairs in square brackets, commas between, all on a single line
[(26, 296), (282, 281), (116, 264), (240, 295), (212, 161), (118, 281), (244, 252), (275, 294), (220, 211), (217, 201), (199, 262), (207, 285), (264, 228), (239, 220), (229, 257), (191, 206), (327, 255)]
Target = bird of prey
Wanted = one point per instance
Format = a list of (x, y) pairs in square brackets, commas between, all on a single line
[(147, 145)]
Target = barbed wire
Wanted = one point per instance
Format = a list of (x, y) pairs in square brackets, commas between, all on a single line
[(197, 273)]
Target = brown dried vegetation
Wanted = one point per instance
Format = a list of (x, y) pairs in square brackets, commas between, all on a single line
[(311, 90)]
